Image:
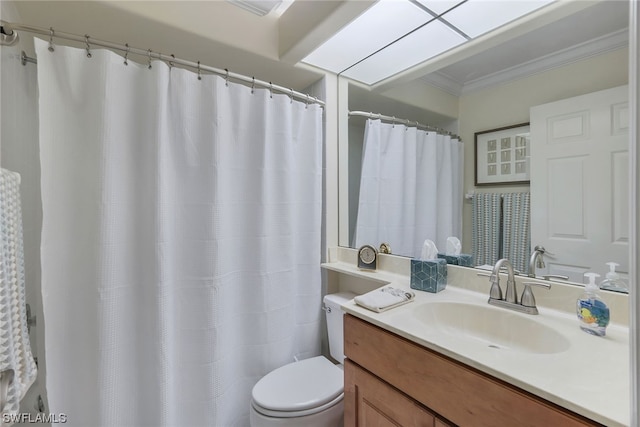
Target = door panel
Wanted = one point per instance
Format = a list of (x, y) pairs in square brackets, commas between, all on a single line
[(580, 182)]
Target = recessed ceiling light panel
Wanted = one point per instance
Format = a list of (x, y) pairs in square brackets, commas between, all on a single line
[(395, 35), (439, 6), (425, 43), (477, 17), (381, 24)]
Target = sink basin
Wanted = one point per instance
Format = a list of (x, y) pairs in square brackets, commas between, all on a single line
[(490, 326)]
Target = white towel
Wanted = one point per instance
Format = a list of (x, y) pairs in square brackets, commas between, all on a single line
[(385, 298), (15, 349)]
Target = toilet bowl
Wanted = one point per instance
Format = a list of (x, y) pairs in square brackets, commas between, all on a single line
[(307, 393)]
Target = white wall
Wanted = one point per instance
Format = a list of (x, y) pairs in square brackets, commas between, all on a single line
[(356, 146), (509, 104), (19, 152)]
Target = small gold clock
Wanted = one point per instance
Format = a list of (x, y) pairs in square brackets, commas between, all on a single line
[(367, 257)]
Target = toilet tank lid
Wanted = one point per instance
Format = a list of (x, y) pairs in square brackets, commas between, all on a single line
[(339, 298), (299, 386)]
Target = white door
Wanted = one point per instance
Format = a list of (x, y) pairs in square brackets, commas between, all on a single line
[(580, 182)]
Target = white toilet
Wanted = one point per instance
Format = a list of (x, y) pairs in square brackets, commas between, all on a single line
[(309, 392)]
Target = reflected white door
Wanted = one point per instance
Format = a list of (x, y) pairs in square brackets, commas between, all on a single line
[(580, 182)]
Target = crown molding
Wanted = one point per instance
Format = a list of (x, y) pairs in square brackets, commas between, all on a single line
[(444, 82), (598, 46)]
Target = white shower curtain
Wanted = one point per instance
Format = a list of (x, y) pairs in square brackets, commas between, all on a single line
[(180, 241), (410, 188)]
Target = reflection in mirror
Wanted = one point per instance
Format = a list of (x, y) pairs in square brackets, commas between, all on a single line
[(580, 182), (500, 84), (410, 187), (501, 229)]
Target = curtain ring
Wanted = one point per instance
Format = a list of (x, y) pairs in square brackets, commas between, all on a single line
[(226, 77), (126, 54), (199, 73), (149, 53), (291, 96), (306, 105), (393, 122), (86, 40), (171, 62), (270, 90), (253, 84), (51, 48)]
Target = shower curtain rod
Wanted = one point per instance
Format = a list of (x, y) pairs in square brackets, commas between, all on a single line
[(402, 122), (8, 29)]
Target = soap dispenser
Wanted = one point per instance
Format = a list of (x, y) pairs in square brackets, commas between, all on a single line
[(592, 311), (613, 282)]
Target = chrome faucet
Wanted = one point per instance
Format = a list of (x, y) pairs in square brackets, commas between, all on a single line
[(510, 295), (527, 302), (536, 260)]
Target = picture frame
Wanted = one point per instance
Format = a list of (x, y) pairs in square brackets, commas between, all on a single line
[(502, 156)]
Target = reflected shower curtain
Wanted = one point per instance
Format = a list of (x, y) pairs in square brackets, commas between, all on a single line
[(410, 188), (180, 241)]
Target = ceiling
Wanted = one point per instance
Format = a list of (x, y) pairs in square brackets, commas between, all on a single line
[(214, 32), (271, 47), (600, 27)]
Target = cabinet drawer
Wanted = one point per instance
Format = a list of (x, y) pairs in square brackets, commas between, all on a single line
[(459, 393)]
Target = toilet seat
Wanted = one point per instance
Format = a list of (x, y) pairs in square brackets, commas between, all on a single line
[(299, 389), (296, 414)]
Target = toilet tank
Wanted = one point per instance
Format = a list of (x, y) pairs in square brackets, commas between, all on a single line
[(335, 330)]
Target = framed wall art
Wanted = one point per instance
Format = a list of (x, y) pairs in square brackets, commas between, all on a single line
[(502, 155)]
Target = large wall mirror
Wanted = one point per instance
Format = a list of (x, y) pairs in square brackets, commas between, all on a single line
[(496, 84)]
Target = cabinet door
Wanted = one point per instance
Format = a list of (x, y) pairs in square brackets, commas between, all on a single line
[(370, 402)]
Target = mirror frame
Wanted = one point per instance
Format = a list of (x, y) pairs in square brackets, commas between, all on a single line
[(634, 206)]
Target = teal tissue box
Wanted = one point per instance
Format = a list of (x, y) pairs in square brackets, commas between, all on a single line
[(464, 260), (430, 276)]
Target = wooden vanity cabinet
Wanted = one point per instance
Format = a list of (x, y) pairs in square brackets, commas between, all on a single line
[(372, 402), (391, 381)]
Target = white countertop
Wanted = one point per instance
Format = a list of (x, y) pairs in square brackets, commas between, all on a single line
[(591, 377)]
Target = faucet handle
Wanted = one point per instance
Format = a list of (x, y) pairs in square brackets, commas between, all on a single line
[(527, 299), (495, 292)]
